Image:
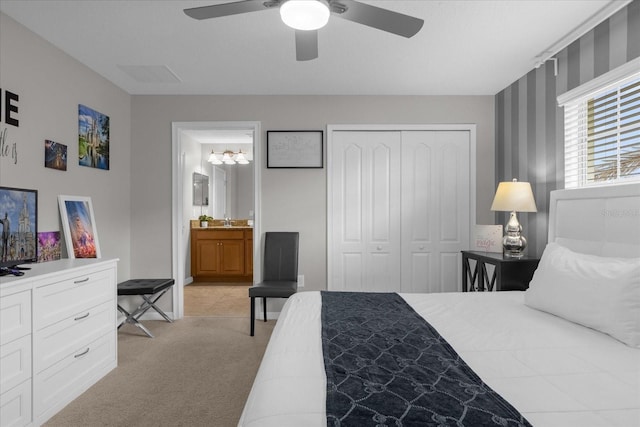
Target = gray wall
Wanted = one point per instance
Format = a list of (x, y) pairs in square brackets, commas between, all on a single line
[(50, 85), (530, 125), (292, 199)]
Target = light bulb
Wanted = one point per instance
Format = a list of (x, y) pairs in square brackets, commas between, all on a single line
[(305, 14)]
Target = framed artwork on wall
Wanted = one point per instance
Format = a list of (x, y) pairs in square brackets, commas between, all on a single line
[(294, 149), (55, 155), (93, 138), (79, 226)]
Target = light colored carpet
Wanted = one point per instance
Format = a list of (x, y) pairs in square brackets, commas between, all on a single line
[(197, 371)]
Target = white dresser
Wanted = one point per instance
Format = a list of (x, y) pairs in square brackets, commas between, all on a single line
[(58, 336)]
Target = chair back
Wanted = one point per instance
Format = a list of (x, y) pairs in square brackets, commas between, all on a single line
[(280, 256)]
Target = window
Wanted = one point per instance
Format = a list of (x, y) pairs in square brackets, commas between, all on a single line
[(602, 130)]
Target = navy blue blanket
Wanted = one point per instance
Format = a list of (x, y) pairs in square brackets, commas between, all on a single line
[(386, 366)]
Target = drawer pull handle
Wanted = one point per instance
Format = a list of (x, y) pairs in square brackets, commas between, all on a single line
[(82, 354), (82, 317), (86, 279)]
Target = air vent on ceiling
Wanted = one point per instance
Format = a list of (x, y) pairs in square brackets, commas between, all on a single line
[(150, 73)]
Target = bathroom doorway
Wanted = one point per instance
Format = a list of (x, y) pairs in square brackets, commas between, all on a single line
[(193, 145)]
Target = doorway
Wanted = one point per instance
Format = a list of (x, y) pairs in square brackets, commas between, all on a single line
[(183, 211)]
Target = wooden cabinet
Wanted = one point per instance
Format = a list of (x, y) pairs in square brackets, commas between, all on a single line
[(222, 254), (58, 336)]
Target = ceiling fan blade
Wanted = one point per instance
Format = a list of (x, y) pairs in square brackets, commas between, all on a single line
[(226, 9), (376, 17), (306, 45)]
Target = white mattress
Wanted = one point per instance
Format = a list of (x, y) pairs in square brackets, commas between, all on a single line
[(556, 373)]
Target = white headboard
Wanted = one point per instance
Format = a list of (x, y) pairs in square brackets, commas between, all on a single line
[(601, 221)]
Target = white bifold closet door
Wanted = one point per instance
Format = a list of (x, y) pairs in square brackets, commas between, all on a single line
[(399, 210)]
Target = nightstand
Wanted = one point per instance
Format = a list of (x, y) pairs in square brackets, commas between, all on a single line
[(509, 274)]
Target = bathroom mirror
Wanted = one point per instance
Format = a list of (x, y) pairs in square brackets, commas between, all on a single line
[(200, 189)]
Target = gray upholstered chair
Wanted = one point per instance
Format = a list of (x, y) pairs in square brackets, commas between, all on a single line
[(279, 273)]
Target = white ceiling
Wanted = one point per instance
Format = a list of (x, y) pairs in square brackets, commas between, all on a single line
[(465, 47)]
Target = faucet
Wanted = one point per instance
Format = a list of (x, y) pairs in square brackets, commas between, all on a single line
[(227, 222)]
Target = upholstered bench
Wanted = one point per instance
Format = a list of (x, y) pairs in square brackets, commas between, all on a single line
[(151, 290)]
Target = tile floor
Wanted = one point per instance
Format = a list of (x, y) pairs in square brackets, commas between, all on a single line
[(216, 300)]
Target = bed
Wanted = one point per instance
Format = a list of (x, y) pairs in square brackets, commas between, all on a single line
[(563, 353)]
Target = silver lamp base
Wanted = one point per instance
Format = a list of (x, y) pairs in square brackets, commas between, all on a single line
[(513, 242)]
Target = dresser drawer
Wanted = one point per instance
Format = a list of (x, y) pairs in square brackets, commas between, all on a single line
[(15, 406), (15, 363), (54, 342), (15, 316), (58, 301), (73, 374)]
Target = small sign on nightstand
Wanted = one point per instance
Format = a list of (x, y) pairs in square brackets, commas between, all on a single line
[(487, 238)]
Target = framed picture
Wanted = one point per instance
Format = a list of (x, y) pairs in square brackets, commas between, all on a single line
[(48, 246), (294, 149), (79, 226), (93, 138), (55, 155)]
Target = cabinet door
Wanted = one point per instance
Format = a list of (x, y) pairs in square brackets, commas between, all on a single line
[(207, 257), (248, 255), (231, 254)]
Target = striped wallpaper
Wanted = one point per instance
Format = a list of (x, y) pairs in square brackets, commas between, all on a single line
[(529, 123)]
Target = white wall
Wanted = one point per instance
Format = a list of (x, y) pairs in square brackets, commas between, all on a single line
[(50, 85), (292, 199)]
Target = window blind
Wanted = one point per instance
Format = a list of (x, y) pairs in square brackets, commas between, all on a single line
[(602, 136)]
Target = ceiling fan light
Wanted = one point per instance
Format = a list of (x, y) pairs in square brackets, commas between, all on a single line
[(305, 14)]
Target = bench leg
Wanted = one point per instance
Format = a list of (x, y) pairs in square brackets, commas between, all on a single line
[(264, 307), (132, 319), (151, 304)]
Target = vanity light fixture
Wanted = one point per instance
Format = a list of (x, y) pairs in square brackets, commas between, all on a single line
[(305, 14), (228, 157)]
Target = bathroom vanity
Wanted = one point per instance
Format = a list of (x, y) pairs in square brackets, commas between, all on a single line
[(222, 253)]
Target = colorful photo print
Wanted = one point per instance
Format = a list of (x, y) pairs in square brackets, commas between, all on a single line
[(93, 138), (79, 227), (48, 246), (55, 155)]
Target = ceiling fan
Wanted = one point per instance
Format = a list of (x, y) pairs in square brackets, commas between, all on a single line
[(307, 16)]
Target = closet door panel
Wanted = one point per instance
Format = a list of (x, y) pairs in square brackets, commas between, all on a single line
[(365, 205), (435, 200), (399, 206)]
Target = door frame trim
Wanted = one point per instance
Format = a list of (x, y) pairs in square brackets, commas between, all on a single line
[(470, 127), (177, 200)]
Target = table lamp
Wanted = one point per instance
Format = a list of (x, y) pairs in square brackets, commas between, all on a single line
[(514, 197)]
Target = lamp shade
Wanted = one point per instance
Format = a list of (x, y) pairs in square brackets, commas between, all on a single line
[(305, 14), (514, 197)]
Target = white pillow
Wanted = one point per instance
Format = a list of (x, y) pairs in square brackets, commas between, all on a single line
[(599, 292)]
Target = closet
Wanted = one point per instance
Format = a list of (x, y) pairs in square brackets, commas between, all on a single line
[(400, 207)]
